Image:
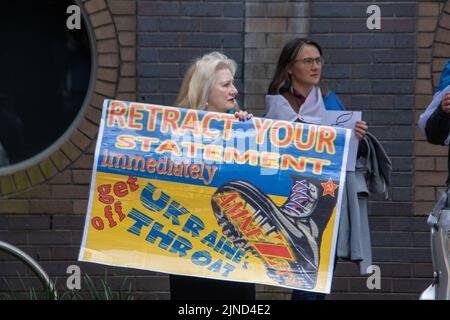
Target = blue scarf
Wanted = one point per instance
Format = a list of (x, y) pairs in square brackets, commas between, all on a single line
[(445, 78)]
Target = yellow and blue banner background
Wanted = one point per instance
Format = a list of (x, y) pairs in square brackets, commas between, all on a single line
[(203, 194)]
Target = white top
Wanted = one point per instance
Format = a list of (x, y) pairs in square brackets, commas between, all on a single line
[(277, 107)]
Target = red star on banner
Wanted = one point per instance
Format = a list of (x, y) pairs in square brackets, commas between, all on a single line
[(329, 187)]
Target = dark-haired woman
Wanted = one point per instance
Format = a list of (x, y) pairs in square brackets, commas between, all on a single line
[(296, 94)]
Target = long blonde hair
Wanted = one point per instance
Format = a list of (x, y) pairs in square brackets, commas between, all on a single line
[(199, 78)]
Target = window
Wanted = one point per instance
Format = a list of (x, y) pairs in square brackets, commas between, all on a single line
[(45, 71)]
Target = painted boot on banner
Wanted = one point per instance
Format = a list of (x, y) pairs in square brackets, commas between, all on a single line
[(284, 238)]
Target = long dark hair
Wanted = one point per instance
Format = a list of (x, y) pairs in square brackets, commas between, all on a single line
[(281, 81)]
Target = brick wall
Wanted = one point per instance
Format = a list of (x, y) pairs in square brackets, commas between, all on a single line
[(172, 34), (268, 26)]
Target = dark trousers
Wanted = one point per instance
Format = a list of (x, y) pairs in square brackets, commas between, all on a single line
[(192, 288)]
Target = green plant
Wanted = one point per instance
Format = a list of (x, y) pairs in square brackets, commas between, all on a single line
[(106, 292), (88, 291), (24, 293)]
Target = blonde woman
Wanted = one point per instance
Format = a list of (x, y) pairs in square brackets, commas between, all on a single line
[(209, 85)]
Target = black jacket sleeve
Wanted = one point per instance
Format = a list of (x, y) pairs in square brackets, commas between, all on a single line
[(437, 127), (362, 149)]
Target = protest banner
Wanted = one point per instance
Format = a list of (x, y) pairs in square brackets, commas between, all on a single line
[(200, 193)]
